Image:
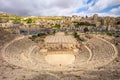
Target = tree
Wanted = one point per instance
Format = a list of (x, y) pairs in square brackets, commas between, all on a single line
[(29, 20), (56, 26), (86, 29), (118, 22), (76, 35), (86, 16)]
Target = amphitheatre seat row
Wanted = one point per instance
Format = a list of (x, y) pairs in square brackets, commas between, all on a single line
[(102, 51)]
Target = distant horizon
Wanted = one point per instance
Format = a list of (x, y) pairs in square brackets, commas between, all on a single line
[(56, 15), (61, 7)]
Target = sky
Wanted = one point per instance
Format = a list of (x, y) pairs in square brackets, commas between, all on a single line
[(61, 7)]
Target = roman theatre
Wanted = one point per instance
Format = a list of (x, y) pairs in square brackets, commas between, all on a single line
[(59, 52)]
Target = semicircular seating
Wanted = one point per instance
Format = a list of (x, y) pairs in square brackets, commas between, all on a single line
[(102, 52), (25, 53)]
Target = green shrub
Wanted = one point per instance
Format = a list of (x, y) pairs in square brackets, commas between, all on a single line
[(109, 34), (77, 24), (41, 34), (82, 39), (56, 26)]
